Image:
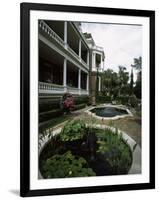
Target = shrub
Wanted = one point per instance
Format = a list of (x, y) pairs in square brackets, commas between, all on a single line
[(133, 101), (103, 99), (46, 104), (66, 165), (68, 102), (73, 130), (47, 115), (123, 99), (81, 100)]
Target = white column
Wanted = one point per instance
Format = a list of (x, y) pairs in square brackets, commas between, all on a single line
[(79, 80), (79, 52), (101, 61), (65, 34), (87, 57), (93, 61), (65, 74), (87, 86), (99, 86)]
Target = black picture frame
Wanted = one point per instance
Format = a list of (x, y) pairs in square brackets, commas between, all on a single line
[(25, 9)]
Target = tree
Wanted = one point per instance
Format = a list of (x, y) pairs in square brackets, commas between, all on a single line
[(131, 82), (137, 63), (107, 82), (123, 77), (138, 67)]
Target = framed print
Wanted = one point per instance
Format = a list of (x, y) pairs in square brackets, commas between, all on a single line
[(87, 99)]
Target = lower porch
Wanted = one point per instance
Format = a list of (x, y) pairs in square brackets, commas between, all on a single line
[(58, 74)]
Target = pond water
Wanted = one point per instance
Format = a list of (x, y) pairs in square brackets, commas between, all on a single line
[(108, 111)]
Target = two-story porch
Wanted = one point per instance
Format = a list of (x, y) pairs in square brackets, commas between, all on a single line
[(63, 59)]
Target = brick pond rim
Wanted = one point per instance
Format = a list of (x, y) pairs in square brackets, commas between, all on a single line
[(136, 152)]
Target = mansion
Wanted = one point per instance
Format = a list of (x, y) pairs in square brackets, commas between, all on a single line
[(69, 61)]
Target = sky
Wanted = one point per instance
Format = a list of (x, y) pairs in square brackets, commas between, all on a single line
[(121, 43)]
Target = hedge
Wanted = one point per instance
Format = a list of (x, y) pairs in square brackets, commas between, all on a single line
[(80, 106), (103, 99), (44, 116)]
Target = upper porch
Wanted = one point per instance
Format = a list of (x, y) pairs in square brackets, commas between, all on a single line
[(65, 37)]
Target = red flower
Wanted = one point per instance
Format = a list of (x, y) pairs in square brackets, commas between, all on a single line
[(68, 101)]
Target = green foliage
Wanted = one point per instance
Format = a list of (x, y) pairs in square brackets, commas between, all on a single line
[(123, 99), (137, 89), (115, 84), (103, 99), (133, 101), (73, 130), (53, 122), (66, 165), (81, 100), (46, 104), (116, 152), (110, 147), (47, 115), (109, 81)]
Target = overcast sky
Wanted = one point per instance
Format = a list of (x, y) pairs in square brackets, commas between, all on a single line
[(121, 43)]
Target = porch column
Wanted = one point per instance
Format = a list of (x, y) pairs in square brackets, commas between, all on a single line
[(79, 51), (99, 86), (79, 80), (65, 34), (87, 57), (93, 61), (65, 74), (87, 84), (101, 61)]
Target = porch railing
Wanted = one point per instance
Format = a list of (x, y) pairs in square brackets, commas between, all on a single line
[(49, 88), (84, 92), (73, 90)]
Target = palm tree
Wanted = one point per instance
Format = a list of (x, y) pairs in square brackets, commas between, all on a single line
[(123, 76), (137, 63)]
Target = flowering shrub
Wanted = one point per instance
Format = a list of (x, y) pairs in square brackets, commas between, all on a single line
[(68, 102)]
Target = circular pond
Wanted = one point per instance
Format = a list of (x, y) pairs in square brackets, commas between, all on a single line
[(109, 112), (80, 150)]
